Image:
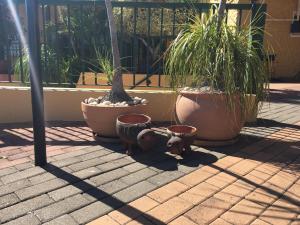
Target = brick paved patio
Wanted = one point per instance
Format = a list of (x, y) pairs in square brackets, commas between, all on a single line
[(255, 181)]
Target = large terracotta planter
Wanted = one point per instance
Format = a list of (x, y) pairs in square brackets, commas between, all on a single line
[(210, 114), (102, 119)]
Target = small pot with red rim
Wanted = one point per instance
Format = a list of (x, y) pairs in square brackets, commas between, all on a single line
[(181, 138)]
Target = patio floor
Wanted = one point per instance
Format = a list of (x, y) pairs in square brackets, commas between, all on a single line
[(255, 181)]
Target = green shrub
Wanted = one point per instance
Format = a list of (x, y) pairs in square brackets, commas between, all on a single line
[(208, 52)]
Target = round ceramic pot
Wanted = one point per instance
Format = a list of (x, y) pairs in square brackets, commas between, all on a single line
[(210, 114), (181, 138), (102, 119), (181, 131), (130, 125)]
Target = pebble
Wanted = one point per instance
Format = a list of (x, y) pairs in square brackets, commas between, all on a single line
[(96, 101), (201, 89), (91, 100), (191, 89), (144, 101), (106, 103)]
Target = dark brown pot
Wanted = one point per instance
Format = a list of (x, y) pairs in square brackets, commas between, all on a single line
[(182, 136), (210, 114), (129, 126), (182, 130)]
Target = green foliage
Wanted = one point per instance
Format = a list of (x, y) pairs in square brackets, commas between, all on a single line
[(25, 66), (88, 24), (222, 57), (107, 68), (142, 21), (54, 70), (7, 28), (103, 63)]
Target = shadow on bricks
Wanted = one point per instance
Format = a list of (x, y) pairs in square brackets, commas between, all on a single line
[(96, 193), (261, 122), (21, 134), (285, 96), (160, 159), (167, 162)]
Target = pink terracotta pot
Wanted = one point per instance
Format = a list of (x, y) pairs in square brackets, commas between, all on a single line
[(210, 114), (102, 119)]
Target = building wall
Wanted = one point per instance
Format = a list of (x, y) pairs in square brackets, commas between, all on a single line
[(285, 46)]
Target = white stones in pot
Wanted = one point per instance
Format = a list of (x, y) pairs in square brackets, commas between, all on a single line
[(190, 89), (203, 89), (144, 101), (105, 103), (92, 100), (96, 102)]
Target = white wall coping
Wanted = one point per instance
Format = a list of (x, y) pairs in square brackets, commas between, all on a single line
[(49, 89)]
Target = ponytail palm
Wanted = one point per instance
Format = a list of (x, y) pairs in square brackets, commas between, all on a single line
[(117, 92)]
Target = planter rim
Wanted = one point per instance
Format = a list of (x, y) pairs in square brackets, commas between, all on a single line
[(135, 114), (194, 130)]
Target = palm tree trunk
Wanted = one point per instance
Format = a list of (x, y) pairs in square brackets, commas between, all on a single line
[(117, 92), (221, 11)]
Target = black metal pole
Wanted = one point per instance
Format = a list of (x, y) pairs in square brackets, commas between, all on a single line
[(36, 83)]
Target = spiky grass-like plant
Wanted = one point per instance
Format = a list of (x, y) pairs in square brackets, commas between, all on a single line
[(209, 52)]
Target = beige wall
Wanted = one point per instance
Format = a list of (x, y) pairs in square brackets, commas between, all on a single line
[(64, 104), (285, 46), (278, 36)]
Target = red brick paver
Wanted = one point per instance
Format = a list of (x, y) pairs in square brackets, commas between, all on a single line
[(12, 153), (238, 189)]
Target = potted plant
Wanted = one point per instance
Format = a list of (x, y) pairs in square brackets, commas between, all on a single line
[(101, 114), (216, 66)]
